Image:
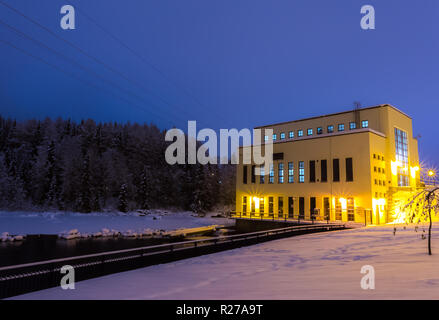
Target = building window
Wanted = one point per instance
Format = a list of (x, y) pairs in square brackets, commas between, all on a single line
[(319, 130), (261, 205), (335, 170), (270, 205), (262, 174), (265, 138), (351, 209), (271, 174), (274, 137), (244, 175), (253, 204), (281, 172), (280, 205), (253, 174), (352, 126), (291, 134), (349, 170), (282, 135), (244, 205), (309, 132), (300, 133), (301, 171), (401, 152), (324, 171), (330, 129), (290, 172), (341, 127), (365, 124), (312, 171)]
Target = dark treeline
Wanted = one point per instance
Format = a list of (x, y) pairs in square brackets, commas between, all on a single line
[(85, 167)]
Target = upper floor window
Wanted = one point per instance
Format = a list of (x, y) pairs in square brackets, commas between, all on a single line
[(341, 127), (319, 130), (300, 133), (262, 174), (274, 137), (365, 124), (330, 129), (309, 132), (265, 138), (291, 134), (271, 174), (301, 171), (352, 125), (290, 172), (281, 172), (401, 153), (282, 135)]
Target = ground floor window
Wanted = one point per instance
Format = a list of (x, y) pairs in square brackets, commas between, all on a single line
[(261, 205), (338, 210), (244, 205), (281, 206), (326, 208), (270, 205), (351, 209)]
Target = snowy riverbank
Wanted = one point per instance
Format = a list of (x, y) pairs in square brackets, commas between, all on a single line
[(315, 266), (24, 223)]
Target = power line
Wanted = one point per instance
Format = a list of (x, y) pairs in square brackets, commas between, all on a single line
[(85, 53), (145, 61), (74, 76), (40, 43)]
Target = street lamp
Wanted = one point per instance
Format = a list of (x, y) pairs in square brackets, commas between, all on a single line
[(431, 173)]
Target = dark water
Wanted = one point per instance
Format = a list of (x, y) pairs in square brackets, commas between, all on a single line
[(46, 247)]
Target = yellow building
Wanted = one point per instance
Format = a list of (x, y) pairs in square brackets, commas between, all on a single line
[(357, 165)]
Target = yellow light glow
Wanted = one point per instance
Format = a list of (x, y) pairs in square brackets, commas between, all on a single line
[(413, 171), (256, 201), (394, 166), (431, 173), (343, 203)]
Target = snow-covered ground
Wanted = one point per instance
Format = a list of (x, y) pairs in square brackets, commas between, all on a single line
[(59, 222), (314, 266)]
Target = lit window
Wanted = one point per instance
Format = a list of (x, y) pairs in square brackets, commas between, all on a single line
[(271, 174), (330, 129), (274, 137), (319, 130), (291, 134), (262, 174), (290, 172), (301, 171), (401, 152), (281, 173), (282, 135), (309, 132), (352, 125), (365, 124), (265, 138), (341, 127), (300, 133)]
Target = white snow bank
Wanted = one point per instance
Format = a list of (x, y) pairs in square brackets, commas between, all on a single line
[(95, 223), (315, 266)]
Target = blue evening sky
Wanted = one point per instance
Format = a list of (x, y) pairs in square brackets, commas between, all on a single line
[(228, 63)]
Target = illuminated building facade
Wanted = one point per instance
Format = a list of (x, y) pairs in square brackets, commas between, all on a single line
[(358, 165)]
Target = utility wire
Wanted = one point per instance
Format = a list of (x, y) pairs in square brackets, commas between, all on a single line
[(146, 62), (72, 61), (85, 53), (76, 77)]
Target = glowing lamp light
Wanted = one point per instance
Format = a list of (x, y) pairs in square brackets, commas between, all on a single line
[(413, 171), (343, 203), (394, 166), (256, 201), (431, 173)]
